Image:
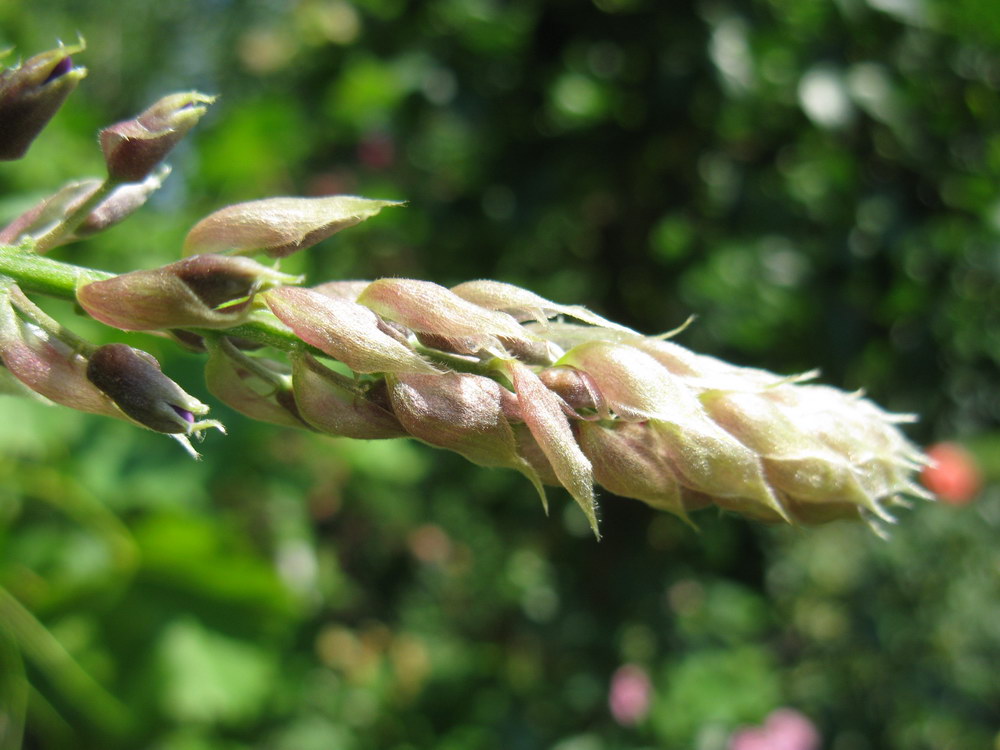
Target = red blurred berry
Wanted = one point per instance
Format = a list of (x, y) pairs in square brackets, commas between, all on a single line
[(953, 476)]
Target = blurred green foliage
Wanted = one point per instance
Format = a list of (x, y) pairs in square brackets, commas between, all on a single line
[(818, 182)]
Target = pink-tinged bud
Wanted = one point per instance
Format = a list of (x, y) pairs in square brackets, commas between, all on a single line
[(345, 330), (349, 290), (434, 310), (132, 379), (542, 411), (50, 212), (335, 405), (279, 226), (133, 148), (463, 413), (256, 387), (31, 93), (204, 291), (632, 383), (120, 204), (626, 462), (577, 389), (45, 364), (524, 305)]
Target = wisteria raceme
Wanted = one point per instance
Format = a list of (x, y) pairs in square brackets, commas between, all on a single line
[(486, 369), (498, 375), (505, 381)]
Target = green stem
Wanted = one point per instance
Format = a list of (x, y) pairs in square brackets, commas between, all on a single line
[(51, 658)]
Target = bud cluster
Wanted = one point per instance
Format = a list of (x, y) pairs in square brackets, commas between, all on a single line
[(500, 376), (486, 369)]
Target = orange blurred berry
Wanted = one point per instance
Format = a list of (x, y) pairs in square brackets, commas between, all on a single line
[(953, 476)]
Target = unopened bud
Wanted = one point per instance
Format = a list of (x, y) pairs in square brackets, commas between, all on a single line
[(132, 379), (626, 461), (637, 388), (345, 330), (133, 148), (258, 388), (543, 412), (31, 93), (44, 363), (48, 212), (279, 226), (52, 211), (120, 204), (434, 310), (524, 305), (335, 406), (463, 413), (204, 291)]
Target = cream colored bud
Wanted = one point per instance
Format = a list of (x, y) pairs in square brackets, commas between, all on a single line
[(279, 226)]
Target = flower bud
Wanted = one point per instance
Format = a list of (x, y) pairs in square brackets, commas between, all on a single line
[(204, 291), (48, 212), (133, 381), (279, 226), (796, 462), (336, 406), (46, 215), (524, 305), (120, 204), (31, 93), (626, 462), (542, 411), (348, 290), (258, 388), (132, 148), (463, 413), (705, 457), (345, 330), (44, 363), (431, 309)]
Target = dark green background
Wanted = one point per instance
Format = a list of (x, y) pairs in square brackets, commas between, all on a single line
[(648, 159)]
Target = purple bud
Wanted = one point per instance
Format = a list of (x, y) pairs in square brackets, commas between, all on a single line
[(31, 93), (133, 381), (132, 148)]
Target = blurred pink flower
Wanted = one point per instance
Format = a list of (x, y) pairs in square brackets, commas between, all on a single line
[(784, 729), (630, 694)]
